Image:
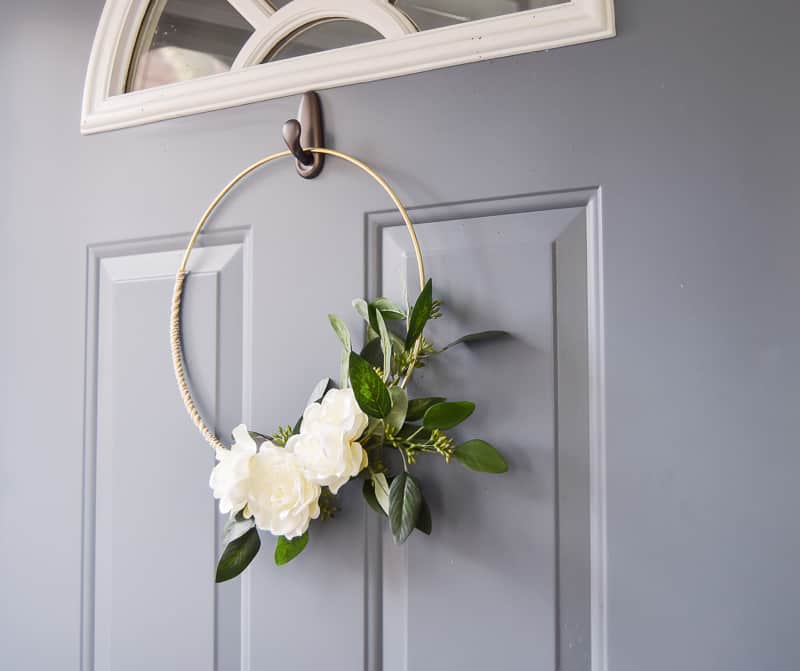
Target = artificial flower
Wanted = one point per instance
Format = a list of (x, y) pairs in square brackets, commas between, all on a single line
[(281, 499), (230, 477)]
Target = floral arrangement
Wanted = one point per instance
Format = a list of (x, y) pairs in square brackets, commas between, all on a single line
[(280, 483)]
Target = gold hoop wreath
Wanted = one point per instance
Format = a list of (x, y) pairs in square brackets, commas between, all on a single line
[(180, 276)]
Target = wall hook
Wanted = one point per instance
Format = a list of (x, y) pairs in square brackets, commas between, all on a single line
[(306, 131)]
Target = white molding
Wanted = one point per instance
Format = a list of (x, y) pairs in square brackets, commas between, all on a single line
[(106, 108), (379, 15)]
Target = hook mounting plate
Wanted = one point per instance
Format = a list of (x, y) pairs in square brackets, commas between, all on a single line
[(306, 131)]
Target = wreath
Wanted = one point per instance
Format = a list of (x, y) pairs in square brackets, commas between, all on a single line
[(282, 481)]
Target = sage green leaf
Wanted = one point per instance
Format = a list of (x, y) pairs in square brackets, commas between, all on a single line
[(370, 391), (368, 491), (320, 389), (286, 550), (259, 438), (405, 501), (418, 406), (397, 417), (480, 456), (477, 337), (381, 488), (386, 344), (421, 434), (236, 527), (420, 314), (389, 310), (424, 521), (344, 369), (447, 415), (341, 331), (361, 307), (373, 352), (237, 555)]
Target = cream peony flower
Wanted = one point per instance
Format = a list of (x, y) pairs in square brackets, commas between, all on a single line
[(281, 499), (327, 457), (326, 445), (229, 478)]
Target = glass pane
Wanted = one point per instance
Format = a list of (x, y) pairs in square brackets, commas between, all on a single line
[(323, 36), (185, 39), (429, 14)]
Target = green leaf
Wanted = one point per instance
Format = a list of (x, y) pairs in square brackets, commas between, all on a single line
[(421, 434), (388, 309), (386, 344), (370, 391), (259, 438), (405, 502), (480, 456), (397, 417), (236, 527), (447, 415), (320, 389), (361, 307), (420, 314), (237, 555), (418, 406), (373, 352), (368, 491), (344, 369), (381, 487), (477, 337), (424, 521), (340, 328), (286, 550)]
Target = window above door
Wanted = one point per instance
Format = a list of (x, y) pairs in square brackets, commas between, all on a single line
[(158, 59)]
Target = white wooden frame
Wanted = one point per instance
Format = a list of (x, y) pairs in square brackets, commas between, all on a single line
[(404, 51)]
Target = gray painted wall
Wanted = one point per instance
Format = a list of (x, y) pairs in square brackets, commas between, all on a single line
[(687, 122)]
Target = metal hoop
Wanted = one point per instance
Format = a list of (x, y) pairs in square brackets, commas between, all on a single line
[(180, 276)]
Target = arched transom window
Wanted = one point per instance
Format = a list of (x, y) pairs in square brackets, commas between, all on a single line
[(218, 53)]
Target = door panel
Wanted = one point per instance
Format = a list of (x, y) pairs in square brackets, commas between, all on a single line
[(681, 142)]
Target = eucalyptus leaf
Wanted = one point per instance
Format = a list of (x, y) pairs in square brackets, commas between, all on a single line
[(420, 314), (368, 492), (418, 406), (373, 352), (397, 417), (420, 433), (259, 438), (344, 369), (237, 555), (381, 488), (424, 521), (386, 344), (447, 415), (320, 389), (286, 550), (341, 331), (481, 336), (405, 502), (480, 456), (361, 307), (236, 527), (370, 391), (389, 310)]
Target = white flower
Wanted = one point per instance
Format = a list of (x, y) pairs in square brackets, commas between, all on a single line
[(281, 499), (327, 457), (229, 478), (326, 445), (340, 409)]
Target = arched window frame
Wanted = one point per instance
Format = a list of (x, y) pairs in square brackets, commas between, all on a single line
[(106, 106)]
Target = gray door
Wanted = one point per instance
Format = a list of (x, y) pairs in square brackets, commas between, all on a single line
[(627, 209)]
